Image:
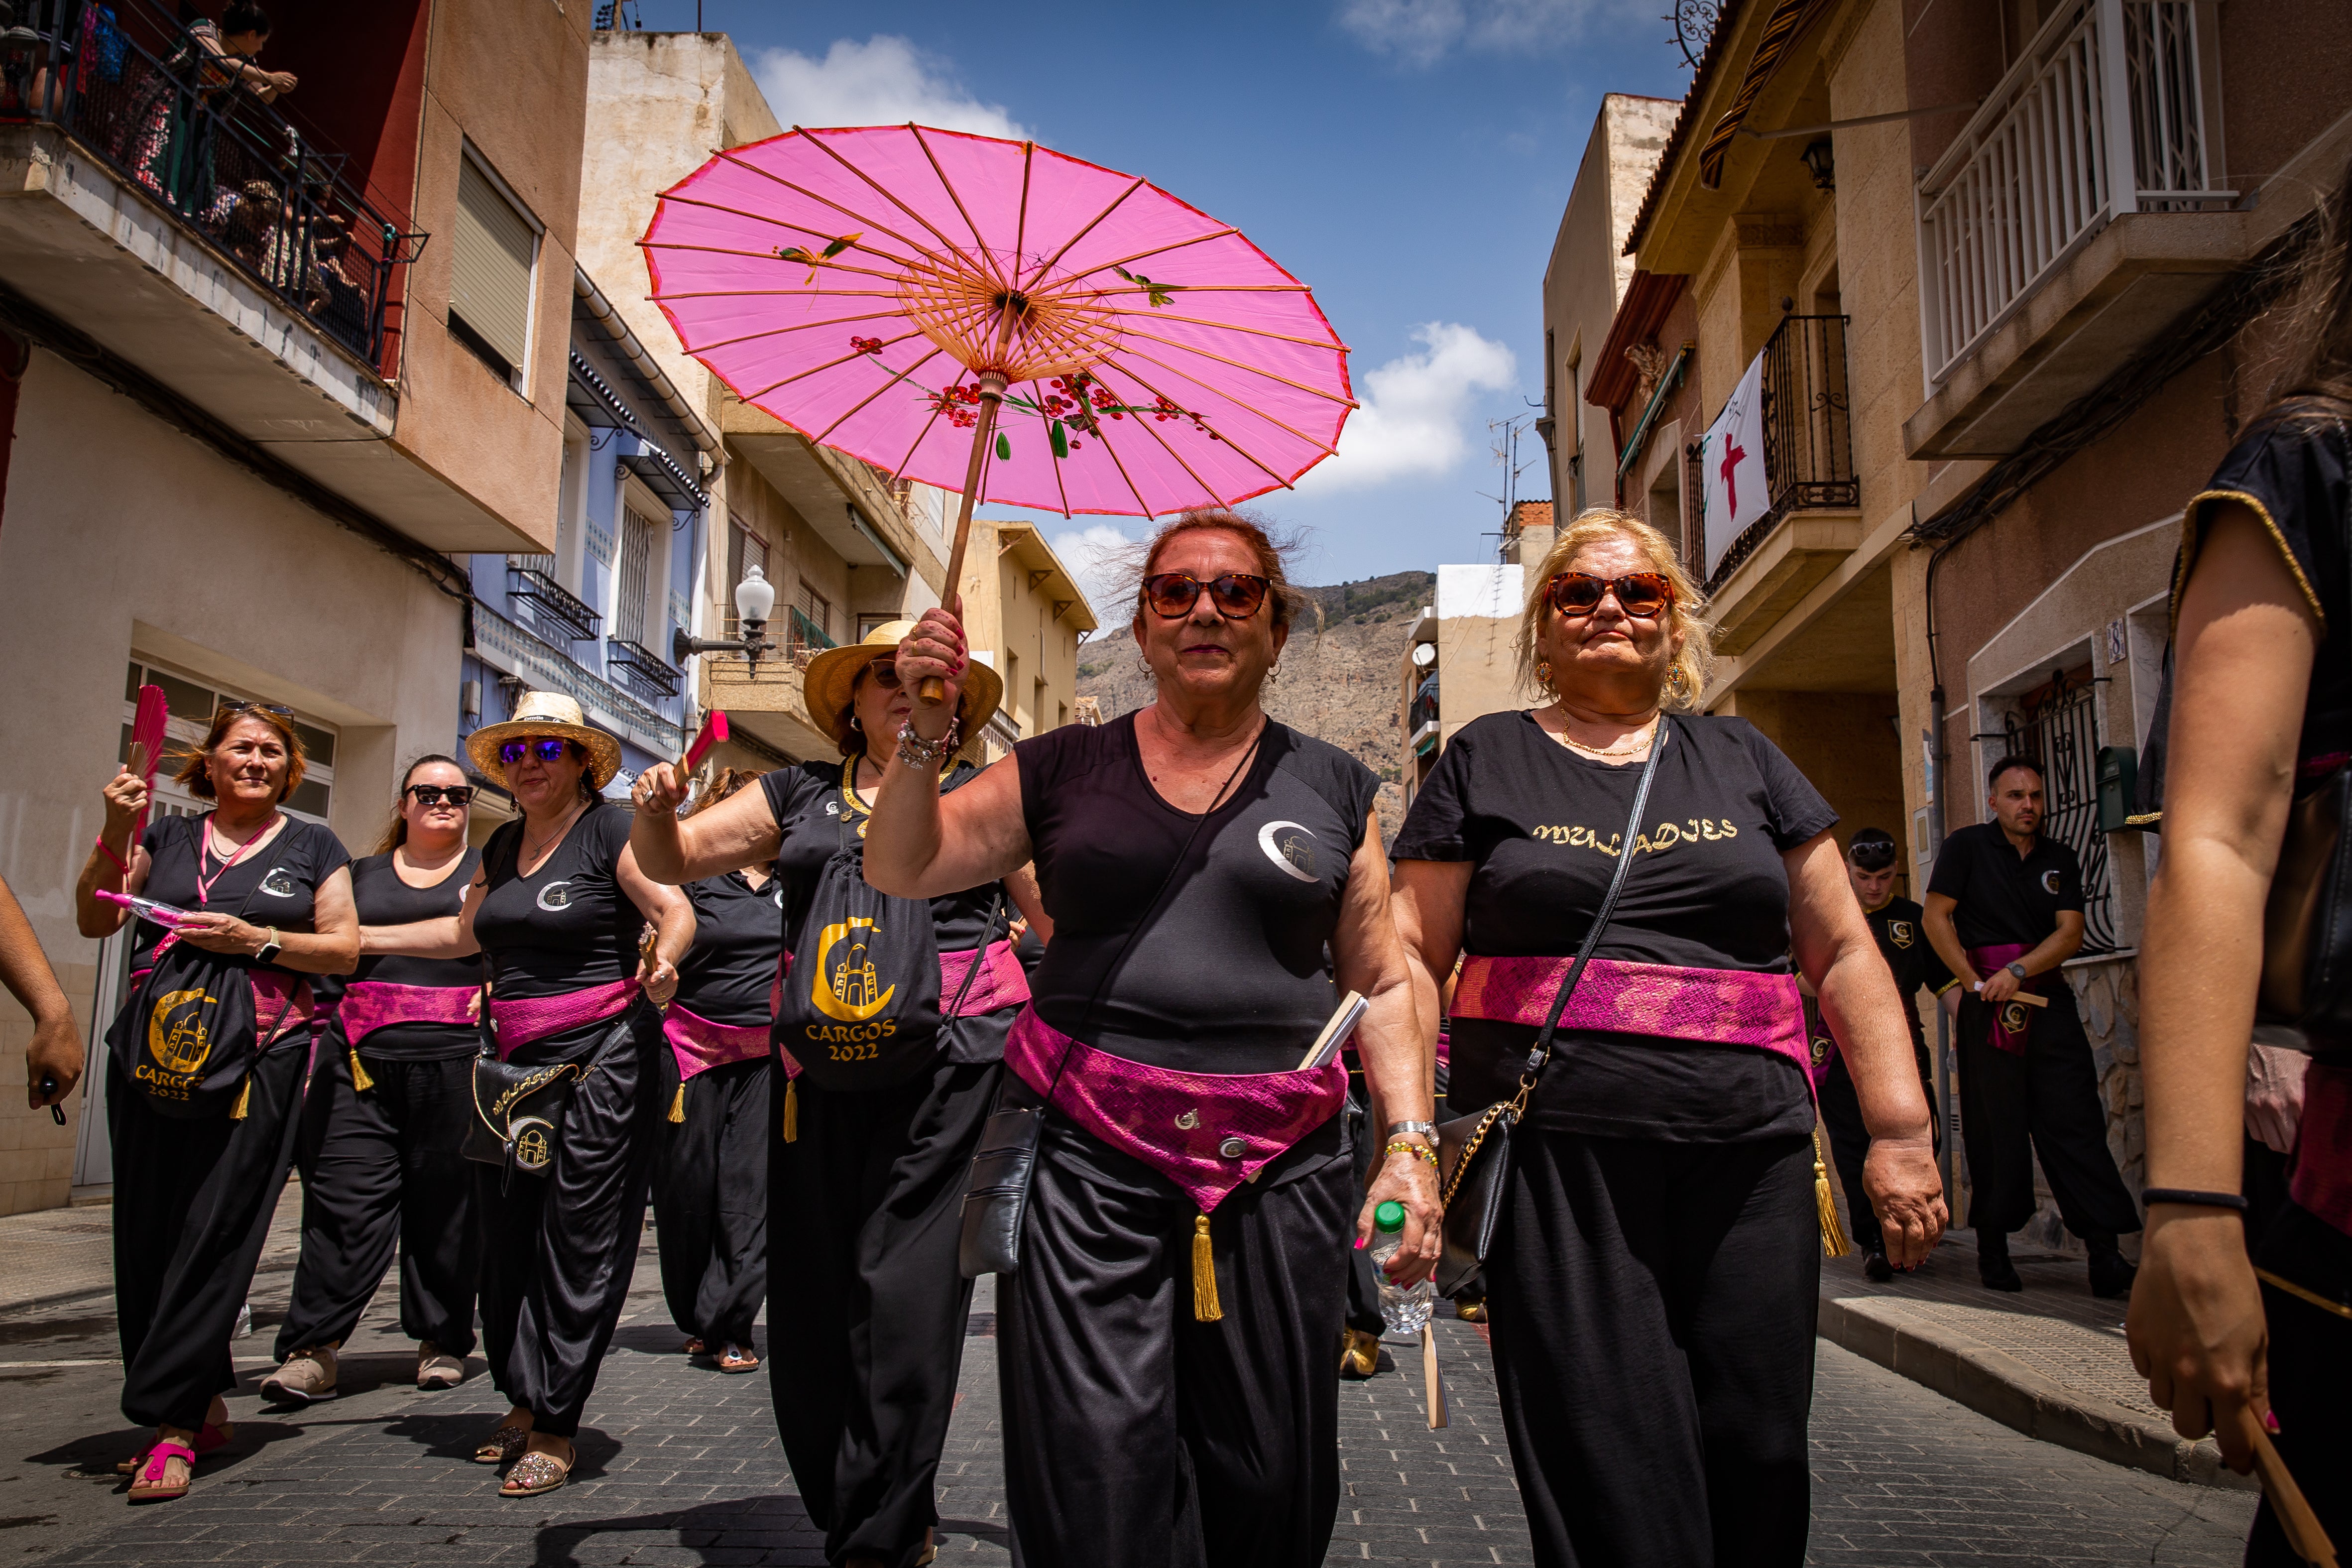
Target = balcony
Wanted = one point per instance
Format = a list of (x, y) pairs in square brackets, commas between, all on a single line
[(2073, 222), (1814, 522), (555, 612), (642, 670), (546, 668)]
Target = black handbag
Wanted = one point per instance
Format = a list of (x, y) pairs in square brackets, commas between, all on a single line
[(518, 1114), (1474, 1152)]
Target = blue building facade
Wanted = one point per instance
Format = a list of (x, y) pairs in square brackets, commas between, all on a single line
[(595, 619)]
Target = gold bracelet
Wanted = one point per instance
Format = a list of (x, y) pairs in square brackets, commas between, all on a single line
[(1418, 1151)]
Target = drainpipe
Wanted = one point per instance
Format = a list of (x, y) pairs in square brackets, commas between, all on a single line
[(644, 363)]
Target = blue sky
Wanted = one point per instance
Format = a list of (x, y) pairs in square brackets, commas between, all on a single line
[(1408, 158)]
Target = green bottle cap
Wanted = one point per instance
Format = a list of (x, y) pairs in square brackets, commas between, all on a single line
[(1389, 1217)]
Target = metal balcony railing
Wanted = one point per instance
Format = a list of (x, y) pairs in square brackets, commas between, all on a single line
[(128, 83), (804, 637), (640, 669), (1808, 431), (2105, 113), (554, 610)]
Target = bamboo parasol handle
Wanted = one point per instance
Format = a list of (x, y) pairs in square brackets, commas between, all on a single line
[(2304, 1533), (932, 691)]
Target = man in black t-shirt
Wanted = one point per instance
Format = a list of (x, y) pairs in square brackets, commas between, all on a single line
[(2004, 910), (1896, 925)]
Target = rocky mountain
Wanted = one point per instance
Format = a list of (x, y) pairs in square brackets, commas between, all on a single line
[(1337, 680)]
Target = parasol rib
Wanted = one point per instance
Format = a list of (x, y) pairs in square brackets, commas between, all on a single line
[(831, 364), (1239, 364), (1037, 395), (773, 293), (828, 200), (763, 256), (1207, 488), (1021, 223), (1048, 265), (987, 253), (878, 391), (859, 243), (795, 327), (899, 469), (1161, 250), (819, 144), (1127, 372), (1102, 434), (1325, 447), (1236, 327)]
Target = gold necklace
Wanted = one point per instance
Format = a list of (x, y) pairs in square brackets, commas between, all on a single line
[(548, 842), (1625, 745)]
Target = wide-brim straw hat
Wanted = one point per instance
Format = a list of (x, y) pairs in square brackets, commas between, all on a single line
[(831, 678), (545, 713)]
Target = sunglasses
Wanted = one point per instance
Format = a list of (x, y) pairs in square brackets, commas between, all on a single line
[(1872, 857), (239, 705), (885, 673), (547, 747), (1643, 595), (436, 794), (1236, 595)]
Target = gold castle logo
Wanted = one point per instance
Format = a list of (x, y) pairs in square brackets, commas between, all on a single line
[(175, 1031), (844, 988)]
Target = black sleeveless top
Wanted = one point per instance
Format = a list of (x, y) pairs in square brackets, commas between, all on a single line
[(383, 899)]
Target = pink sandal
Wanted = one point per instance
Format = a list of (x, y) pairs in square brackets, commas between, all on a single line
[(148, 1485), (209, 1439)]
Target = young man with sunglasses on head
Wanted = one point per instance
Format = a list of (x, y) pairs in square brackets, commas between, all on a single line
[(1896, 925), (2004, 911)]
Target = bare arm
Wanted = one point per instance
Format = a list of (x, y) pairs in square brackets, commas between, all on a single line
[(2241, 667), (451, 936), (1022, 888), (921, 843), (1428, 904), (1834, 950), (124, 794), (740, 831), (54, 1053), (2051, 952), (1945, 938), (1398, 1055), (671, 913), (331, 947)]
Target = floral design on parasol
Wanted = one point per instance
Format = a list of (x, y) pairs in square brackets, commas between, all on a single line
[(976, 313)]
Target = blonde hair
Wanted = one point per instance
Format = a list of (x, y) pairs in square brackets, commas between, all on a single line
[(724, 782), (1686, 618)]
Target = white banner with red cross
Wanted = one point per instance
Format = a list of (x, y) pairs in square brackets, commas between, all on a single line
[(1732, 466)]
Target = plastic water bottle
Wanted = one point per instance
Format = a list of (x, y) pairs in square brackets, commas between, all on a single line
[(1405, 1312)]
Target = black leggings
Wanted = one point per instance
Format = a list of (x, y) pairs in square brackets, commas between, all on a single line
[(193, 1201), (710, 1203), (558, 1249), (1133, 1433), (1654, 1323), (379, 1168), (865, 1330)]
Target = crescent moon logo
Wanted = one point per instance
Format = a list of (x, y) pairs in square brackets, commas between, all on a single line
[(846, 990), (1290, 846)]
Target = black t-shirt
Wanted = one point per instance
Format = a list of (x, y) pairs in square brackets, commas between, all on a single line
[(383, 899), (1707, 890), (2004, 897), (738, 933), (275, 885), (1230, 974), (567, 927), (1901, 932)]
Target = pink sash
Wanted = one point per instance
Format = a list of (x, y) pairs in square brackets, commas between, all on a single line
[(2011, 1022), (700, 1044), (2322, 1179), (372, 1004), (1208, 1133), (1001, 982), (1719, 1007), (518, 1022)]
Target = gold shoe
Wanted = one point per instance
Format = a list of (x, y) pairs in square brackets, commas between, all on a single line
[(1360, 1356), (1470, 1312), (503, 1446), (535, 1473)]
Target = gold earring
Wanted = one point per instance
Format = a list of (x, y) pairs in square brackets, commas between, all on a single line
[(1678, 683), (1543, 677)]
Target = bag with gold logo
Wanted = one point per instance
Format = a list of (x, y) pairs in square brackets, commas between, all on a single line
[(861, 1002), (518, 1113), (189, 1036)]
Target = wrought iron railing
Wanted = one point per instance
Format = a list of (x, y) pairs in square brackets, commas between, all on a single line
[(804, 636), (640, 669), (2104, 113), (546, 668), (554, 610), (2059, 728), (1808, 431), (146, 97)]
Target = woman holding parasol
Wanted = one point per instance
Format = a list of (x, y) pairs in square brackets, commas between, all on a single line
[(889, 1029)]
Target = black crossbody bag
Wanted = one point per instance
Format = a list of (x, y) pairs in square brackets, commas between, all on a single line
[(1475, 1150)]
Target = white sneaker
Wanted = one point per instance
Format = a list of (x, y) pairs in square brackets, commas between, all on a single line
[(436, 1368), (306, 1377)]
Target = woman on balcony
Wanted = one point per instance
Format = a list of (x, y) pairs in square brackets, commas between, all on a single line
[(176, 120), (710, 1184), (558, 909), (1168, 1345), (391, 1102), (1654, 1276), (209, 1059), (889, 1030)]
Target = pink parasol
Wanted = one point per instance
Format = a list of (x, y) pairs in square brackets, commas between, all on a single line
[(990, 316)]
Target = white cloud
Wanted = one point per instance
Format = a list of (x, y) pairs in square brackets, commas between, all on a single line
[(885, 80), (1422, 32), (1100, 558), (1414, 406)]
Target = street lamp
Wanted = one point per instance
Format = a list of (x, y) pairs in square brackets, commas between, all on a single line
[(755, 598)]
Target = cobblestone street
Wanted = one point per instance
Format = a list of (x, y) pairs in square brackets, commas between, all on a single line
[(679, 1464)]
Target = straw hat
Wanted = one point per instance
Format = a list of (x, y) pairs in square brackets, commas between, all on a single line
[(545, 713), (833, 675)]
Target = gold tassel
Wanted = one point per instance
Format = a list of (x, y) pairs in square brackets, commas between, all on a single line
[(791, 1111), (1205, 1308), (1834, 1241), (678, 1104), (244, 1098), (360, 1082)]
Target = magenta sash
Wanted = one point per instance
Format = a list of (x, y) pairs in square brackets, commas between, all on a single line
[(518, 1022), (2011, 1022), (1719, 1007), (2321, 1181), (700, 1044), (279, 1000), (1001, 982), (1182, 1124), (372, 1004)]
